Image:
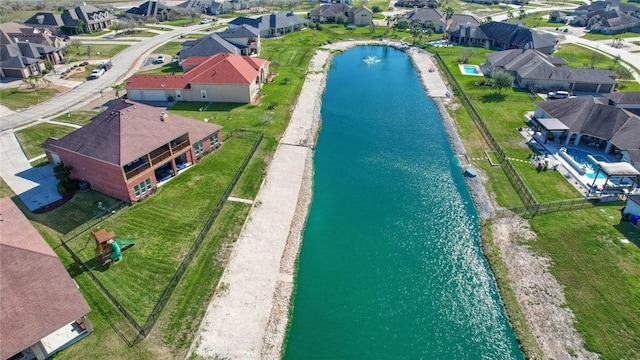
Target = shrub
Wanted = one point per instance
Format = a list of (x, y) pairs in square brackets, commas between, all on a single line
[(376, 9), (61, 189)]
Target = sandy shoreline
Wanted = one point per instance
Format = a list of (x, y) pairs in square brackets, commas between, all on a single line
[(249, 317)]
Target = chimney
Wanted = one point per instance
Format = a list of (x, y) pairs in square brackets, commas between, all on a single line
[(164, 116)]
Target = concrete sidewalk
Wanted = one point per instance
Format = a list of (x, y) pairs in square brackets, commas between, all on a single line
[(36, 187)]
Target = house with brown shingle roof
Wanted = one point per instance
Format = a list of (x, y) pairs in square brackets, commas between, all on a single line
[(223, 77), (130, 148), (42, 310)]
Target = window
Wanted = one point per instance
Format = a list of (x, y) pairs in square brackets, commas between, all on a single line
[(142, 188), (213, 139), (203, 94), (178, 94), (198, 147)]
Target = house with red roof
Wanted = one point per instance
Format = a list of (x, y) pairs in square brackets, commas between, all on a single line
[(223, 77), (42, 310), (130, 148)]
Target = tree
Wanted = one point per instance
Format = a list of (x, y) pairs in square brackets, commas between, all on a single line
[(509, 15), (502, 80), (416, 30), (522, 13), (448, 14), (89, 48), (117, 26), (616, 60), (389, 20), (118, 87), (62, 173), (75, 43), (465, 55), (594, 59)]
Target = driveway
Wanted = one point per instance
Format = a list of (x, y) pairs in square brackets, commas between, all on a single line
[(36, 187)]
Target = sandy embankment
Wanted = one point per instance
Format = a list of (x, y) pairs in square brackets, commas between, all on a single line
[(247, 317)]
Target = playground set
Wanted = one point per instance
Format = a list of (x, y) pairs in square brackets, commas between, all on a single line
[(108, 248)]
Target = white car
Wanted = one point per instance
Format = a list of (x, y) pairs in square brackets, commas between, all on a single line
[(159, 59), (205, 21), (96, 73)]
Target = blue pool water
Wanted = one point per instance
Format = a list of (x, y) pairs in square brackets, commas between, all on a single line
[(390, 265), (470, 69), (581, 158)]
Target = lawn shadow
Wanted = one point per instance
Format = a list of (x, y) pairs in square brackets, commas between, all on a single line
[(492, 98), (629, 232)]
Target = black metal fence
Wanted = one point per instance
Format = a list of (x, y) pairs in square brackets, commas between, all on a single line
[(145, 329), (531, 206)]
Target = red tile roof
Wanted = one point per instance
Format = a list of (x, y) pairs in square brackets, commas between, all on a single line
[(127, 130), (221, 68), (38, 295)]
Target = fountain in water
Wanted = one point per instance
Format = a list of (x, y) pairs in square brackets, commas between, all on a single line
[(371, 59)]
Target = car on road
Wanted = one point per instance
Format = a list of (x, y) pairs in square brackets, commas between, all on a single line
[(96, 73), (159, 59), (205, 21)]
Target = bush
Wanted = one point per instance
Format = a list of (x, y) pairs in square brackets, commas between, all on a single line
[(61, 189), (376, 9), (72, 185)]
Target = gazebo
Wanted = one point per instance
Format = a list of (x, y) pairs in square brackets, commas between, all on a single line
[(552, 126), (618, 169)]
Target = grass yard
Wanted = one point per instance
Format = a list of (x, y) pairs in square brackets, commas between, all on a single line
[(84, 74), (628, 85), (578, 57), (599, 273), (136, 33), (171, 68), (32, 137), (96, 33), (595, 36), (163, 235), (540, 19), (106, 51), (78, 117), (172, 48), (15, 99), (183, 22)]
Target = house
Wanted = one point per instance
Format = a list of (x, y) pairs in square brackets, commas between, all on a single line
[(271, 25), (24, 59), (42, 310), (245, 38), (632, 208), (52, 22), (426, 16), (223, 77), (418, 3), (558, 17), (330, 13), (130, 148), (533, 69), (150, 10), (503, 35), (210, 7), (608, 123), (360, 16), (207, 46), (608, 17), (11, 32), (85, 18)]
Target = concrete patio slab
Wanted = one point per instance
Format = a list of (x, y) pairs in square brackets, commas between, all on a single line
[(36, 187)]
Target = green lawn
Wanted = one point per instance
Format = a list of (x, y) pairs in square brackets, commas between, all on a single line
[(78, 117), (136, 33), (172, 48), (183, 22), (540, 19), (106, 51), (599, 273), (171, 68), (595, 36), (83, 75), (32, 137), (96, 33), (15, 99), (163, 235), (579, 57)]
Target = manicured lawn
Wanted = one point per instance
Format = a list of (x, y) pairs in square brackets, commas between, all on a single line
[(164, 228), (540, 19), (32, 137), (172, 48), (78, 117), (599, 273), (16, 99), (171, 68), (579, 57), (5, 190), (183, 22), (628, 85), (136, 33), (106, 51), (594, 36), (96, 33)]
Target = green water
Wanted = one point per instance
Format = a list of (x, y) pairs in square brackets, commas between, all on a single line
[(390, 266)]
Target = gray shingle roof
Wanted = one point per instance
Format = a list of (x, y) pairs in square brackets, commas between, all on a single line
[(590, 116), (149, 7), (242, 31), (424, 15), (330, 10), (516, 35), (208, 45), (624, 97), (271, 21), (45, 18)]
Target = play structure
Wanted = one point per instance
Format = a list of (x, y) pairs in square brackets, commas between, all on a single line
[(108, 247)]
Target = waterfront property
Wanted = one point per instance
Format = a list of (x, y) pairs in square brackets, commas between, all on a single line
[(42, 310), (503, 36), (223, 77), (241, 40), (467, 69), (271, 25), (130, 148)]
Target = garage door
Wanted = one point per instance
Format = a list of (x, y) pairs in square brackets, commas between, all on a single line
[(154, 95), (134, 94), (585, 87), (604, 89)]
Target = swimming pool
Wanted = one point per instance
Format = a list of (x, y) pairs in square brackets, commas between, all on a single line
[(588, 160), (467, 69), (440, 43)]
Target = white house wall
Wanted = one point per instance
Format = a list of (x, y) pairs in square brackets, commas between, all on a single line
[(219, 93)]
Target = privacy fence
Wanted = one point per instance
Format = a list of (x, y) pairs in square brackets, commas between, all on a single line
[(531, 206), (144, 329)]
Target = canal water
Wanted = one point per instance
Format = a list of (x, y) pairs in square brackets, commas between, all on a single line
[(390, 265)]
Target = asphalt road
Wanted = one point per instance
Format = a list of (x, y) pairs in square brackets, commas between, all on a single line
[(125, 64)]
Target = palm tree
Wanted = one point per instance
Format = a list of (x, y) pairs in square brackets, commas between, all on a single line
[(448, 14), (118, 87), (416, 30)]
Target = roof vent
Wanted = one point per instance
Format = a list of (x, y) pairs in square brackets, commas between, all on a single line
[(164, 116)]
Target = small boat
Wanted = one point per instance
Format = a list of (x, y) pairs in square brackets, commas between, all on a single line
[(470, 172)]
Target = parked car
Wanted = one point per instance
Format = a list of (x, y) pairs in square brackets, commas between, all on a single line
[(159, 59), (205, 21), (558, 94), (96, 73), (106, 65)]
